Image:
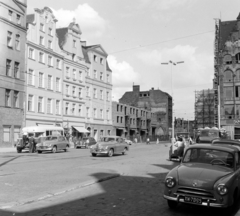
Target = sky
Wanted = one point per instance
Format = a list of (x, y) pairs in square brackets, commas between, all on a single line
[(139, 35)]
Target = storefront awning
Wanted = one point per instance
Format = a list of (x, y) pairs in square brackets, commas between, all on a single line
[(81, 129)]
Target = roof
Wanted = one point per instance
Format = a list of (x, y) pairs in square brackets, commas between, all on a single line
[(85, 54), (30, 18), (62, 35), (221, 147), (225, 30)]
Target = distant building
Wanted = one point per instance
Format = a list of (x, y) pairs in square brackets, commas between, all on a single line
[(12, 70), (44, 70), (155, 101)]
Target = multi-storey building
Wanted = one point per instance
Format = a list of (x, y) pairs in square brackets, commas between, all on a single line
[(156, 101), (131, 122), (98, 91), (12, 68), (227, 74), (44, 70), (74, 71)]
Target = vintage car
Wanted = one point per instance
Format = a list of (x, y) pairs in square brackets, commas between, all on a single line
[(129, 142), (209, 175), (52, 143), (85, 142), (109, 145)]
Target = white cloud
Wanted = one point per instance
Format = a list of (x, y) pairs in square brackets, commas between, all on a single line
[(90, 22), (123, 76), (163, 4)]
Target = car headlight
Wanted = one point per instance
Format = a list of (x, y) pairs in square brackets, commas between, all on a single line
[(170, 182), (222, 189)]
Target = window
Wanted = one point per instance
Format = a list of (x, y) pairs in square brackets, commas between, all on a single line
[(9, 39), (87, 91), (30, 77), (117, 119), (74, 91), (94, 93), (50, 31), (101, 60), (50, 44), (122, 120), (15, 99), (31, 53), (74, 74), (74, 44), (17, 130), (95, 58), (41, 57), (30, 102), (58, 64), (49, 106), (67, 72), (40, 104), (101, 94), (18, 19), (107, 114), (66, 108), (16, 70), (58, 84), (80, 110), (67, 90), (88, 72), (41, 40), (107, 96), (57, 107), (41, 27), (109, 132), (95, 113), (73, 109), (101, 113), (80, 75), (17, 45), (10, 13), (101, 76), (8, 67), (87, 112), (95, 74), (108, 78), (80, 93), (50, 60), (101, 132), (40, 80), (6, 133), (7, 98), (50, 82)]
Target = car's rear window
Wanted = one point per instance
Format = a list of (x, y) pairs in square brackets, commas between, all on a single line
[(107, 139), (209, 156)]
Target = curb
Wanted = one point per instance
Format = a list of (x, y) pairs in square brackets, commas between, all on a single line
[(81, 185)]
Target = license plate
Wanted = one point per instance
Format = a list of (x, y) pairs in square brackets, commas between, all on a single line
[(195, 200)]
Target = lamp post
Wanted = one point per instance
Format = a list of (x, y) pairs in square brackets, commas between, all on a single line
[(172, 63)]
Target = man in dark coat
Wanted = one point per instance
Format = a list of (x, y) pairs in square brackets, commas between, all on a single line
[(32, 144)]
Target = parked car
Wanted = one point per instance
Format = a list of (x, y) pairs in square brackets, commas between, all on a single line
[(109, 145), (52, 143), (20, 145), (129, 142), (85, 142), (209, 175)]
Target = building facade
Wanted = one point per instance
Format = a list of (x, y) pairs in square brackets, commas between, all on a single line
[(155, 101), (98, 92), (44, 70), (12, 69), (227, 74)]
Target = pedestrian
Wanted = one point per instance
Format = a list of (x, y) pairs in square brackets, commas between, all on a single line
[(135, 139), (148, 141), (31, 144), (190, 140)]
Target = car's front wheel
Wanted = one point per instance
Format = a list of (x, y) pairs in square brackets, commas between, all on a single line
[(110, 153), (172, 204), (67, 147), (39, 152), (19, 150), (54, 149), (94, 154), (124, 151)]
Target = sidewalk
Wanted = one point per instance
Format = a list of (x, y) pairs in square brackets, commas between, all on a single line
[(10, 149)]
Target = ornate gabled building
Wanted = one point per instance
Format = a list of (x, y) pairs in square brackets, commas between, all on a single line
[(12, 69)]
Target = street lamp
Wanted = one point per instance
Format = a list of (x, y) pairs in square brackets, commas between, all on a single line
[(172, 63)]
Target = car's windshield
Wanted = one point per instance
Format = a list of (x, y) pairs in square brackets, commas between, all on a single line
[(209, 133), (107, 139), (209, 156)]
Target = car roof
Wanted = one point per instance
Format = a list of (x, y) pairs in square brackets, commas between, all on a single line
[(221, 147)]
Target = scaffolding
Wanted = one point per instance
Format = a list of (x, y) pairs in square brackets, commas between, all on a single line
[(204, 108)]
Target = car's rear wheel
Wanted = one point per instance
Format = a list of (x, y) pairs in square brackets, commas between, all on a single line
[(39, 152), (54, 149), (110, 153), (94, 154), (19, 150), (172, 204), (67, 147), (124, 151)]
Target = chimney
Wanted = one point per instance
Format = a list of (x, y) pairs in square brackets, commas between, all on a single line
[(84, 43), (136, 88)]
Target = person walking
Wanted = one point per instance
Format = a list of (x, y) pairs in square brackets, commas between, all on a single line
[(148, 140), (31, 144)]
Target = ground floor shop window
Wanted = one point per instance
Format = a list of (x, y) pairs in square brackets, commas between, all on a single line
[(6, 133)]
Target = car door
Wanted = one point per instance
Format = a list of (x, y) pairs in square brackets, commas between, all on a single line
[(92, 141), (59, 142)]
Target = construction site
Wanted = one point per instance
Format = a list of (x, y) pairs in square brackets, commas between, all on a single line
[(204, 108)]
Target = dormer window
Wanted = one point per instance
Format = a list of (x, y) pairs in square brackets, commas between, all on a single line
[(74, 44), (95, 58)]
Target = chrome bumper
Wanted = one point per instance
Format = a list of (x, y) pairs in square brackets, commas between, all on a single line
[(181, 200)]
